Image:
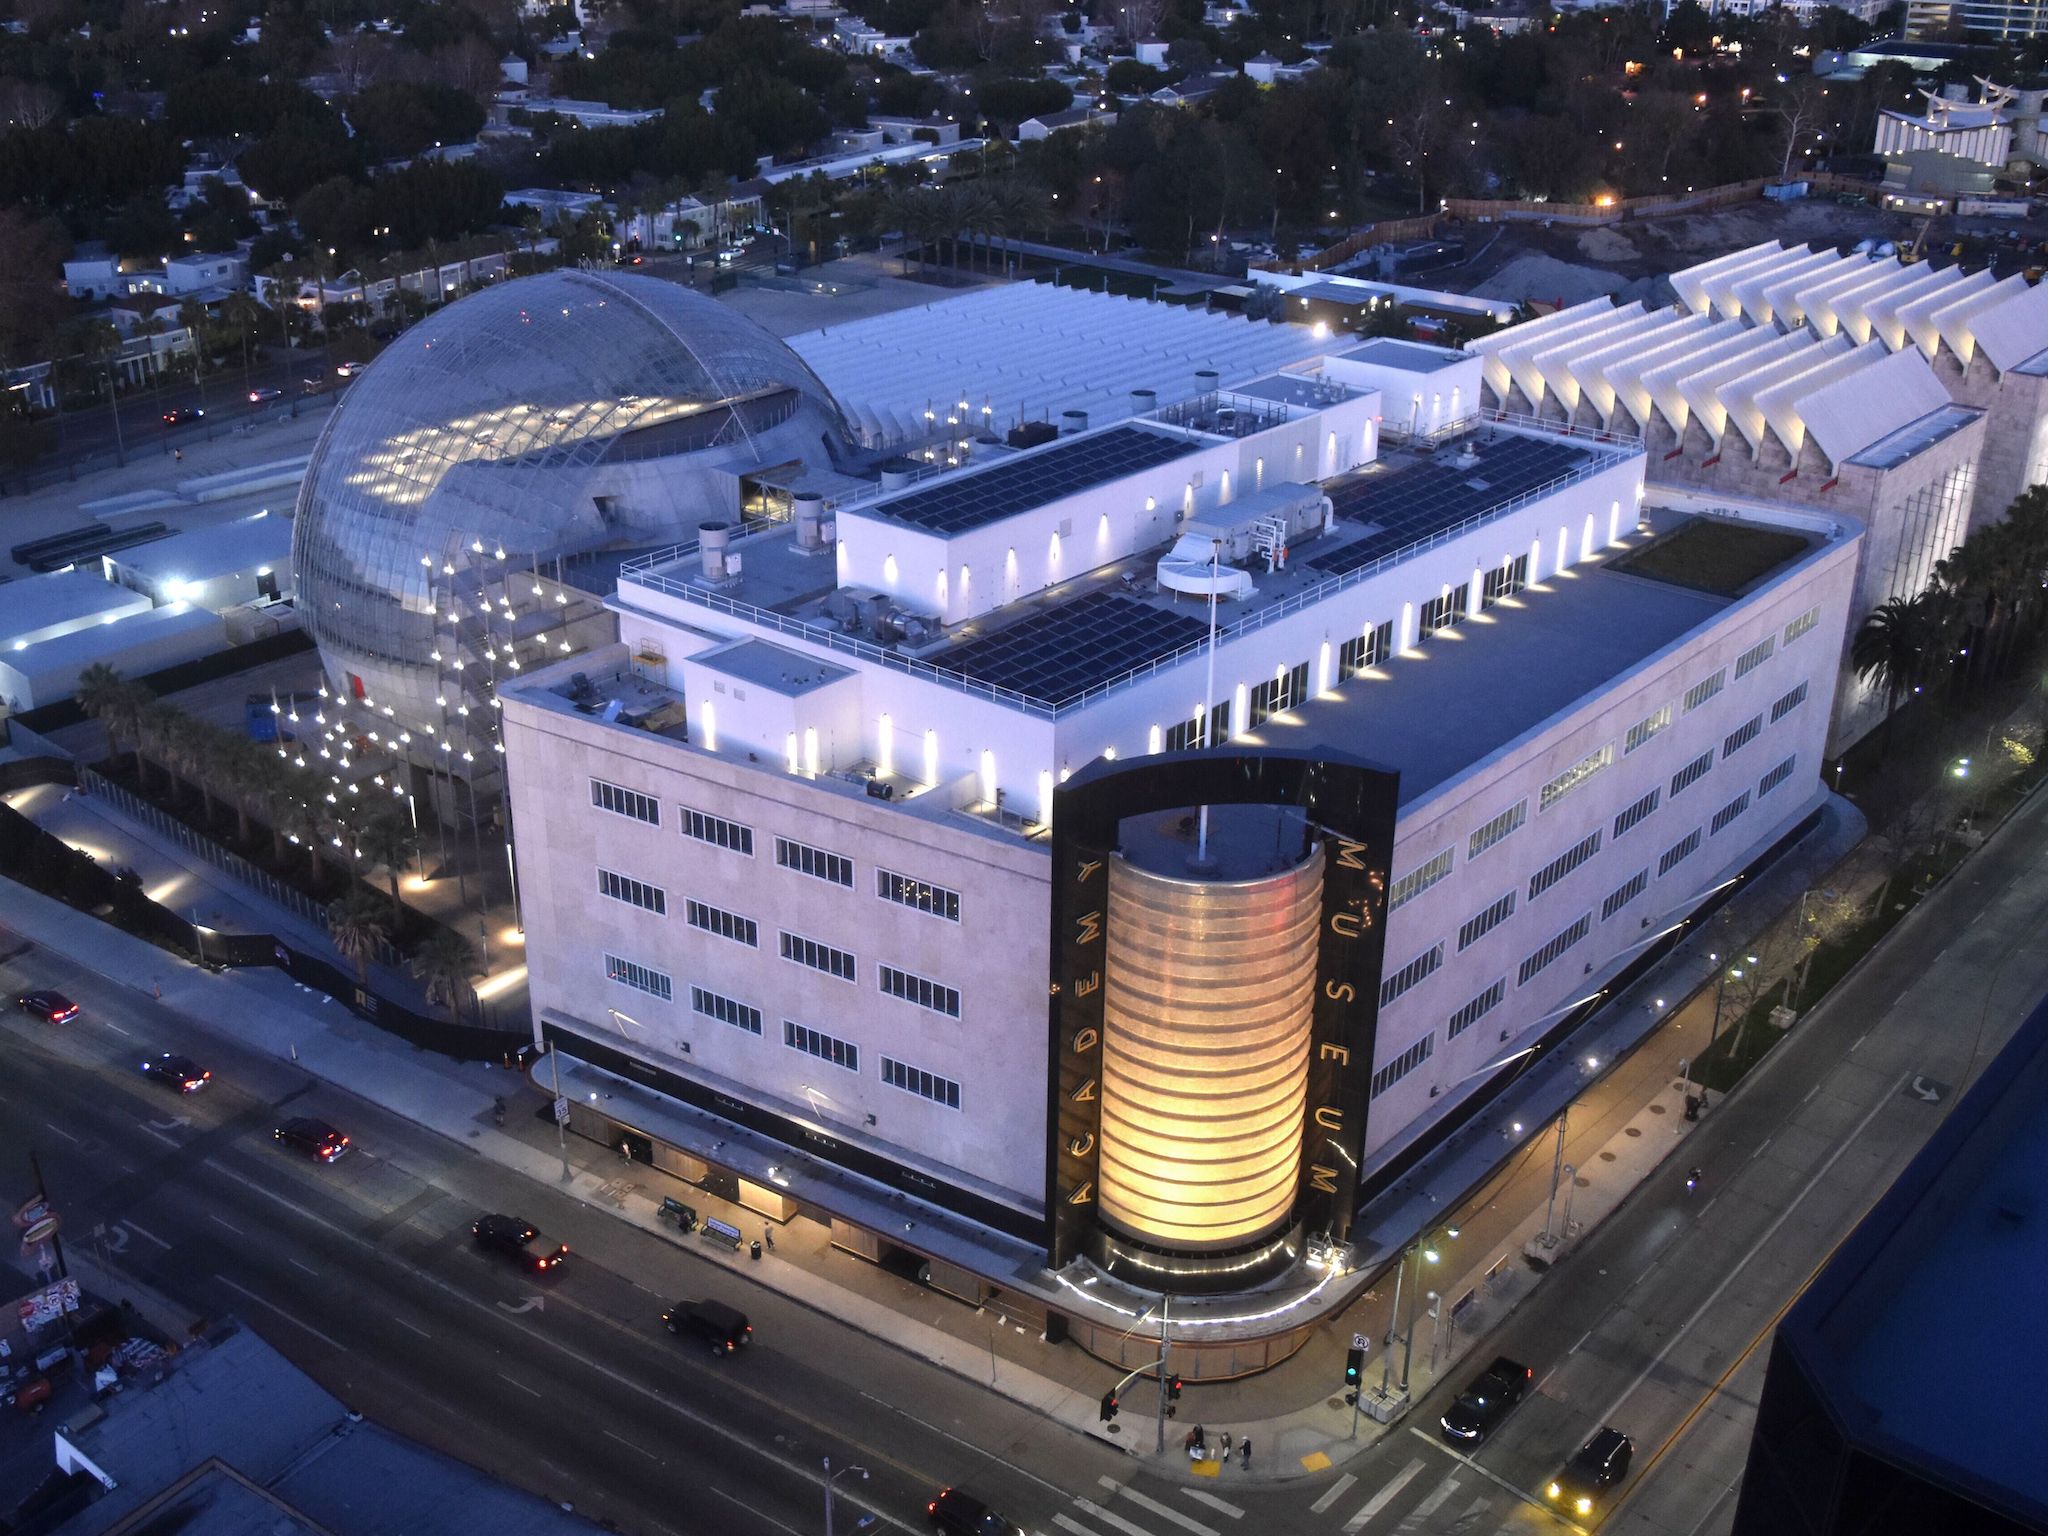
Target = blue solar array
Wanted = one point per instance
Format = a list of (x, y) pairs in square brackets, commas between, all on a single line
[(1033, 479), (1056, 654), (1412, 503)]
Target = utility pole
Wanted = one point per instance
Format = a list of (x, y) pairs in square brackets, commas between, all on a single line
[(1164, 1303), (1393, 1326), (561, 1130), (1556, 1172)]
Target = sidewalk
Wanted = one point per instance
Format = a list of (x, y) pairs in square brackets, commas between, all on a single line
[(1294, 1413)]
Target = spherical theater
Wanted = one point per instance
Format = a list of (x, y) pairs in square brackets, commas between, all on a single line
[(538, 419)]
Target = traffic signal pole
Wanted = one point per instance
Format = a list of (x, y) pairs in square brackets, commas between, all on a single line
[(1164, 1303)]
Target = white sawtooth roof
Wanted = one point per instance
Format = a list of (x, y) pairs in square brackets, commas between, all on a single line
[(1701, 388), (1691, 284), (2016, 328), (1788, 297), (1666, 384), (1784, 404), (1836, 303), (1849, 414), (1883, 312), (1920, 317), (1570, 365), (1029, 351), (1750, 292), (1508, 353), (1718, 293), (1687, 337), (1742, 396)]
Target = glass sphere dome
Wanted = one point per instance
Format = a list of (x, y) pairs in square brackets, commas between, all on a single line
[(542, 417)]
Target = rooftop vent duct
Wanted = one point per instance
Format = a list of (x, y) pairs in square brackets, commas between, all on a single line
[(1072, 422), (712, 539)]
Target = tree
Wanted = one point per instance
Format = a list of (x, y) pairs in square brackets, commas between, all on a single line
[(240, 312), (390, 840), (117, 704), (359, 928), (32, 301), (1801, 109), (1890, 650), (444, 962)]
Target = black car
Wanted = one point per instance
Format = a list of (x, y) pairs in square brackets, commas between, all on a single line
[(518, 1238), (181, 1074), (1485, 1402), (1601, 1463), (724, 1328), (50, 1007), (182, 415), (314, 1138), (962, 1514)]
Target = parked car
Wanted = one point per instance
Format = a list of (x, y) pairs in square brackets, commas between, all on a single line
[(724, 1328), (519, 1239), (1601, 1463), (50, 1007), (264, 394), (1486, 1401), (182, 415), (312, 1138), (961, 1514), (181, 1074)]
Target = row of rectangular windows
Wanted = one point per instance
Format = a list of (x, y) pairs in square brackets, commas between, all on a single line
[(926, 1085), (1625, 893), (1478, 1008), (1742, 736), (717, 831), (1403, 1064), (1775, 777), (1366, 650), (726, 925), (818, 863), (1276, 694), (819, 957), (1423, 965), (1416, 881), (1755, 656), (726, 1010), (1500, 827), (1574, 776), (1679, 852), (1788, 703), (1633, 817), (634, 893), (1727, 814), (922, 991), (1564, 864), (621, 801), (815, 1042), (1483, 922), (1556, 946), (640, 977)]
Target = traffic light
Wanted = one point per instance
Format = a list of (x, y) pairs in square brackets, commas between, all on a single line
[(1354, 1366), (1109, 1405), (1173, 1385)]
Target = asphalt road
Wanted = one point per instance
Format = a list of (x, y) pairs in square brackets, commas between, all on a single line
[(89, 430)]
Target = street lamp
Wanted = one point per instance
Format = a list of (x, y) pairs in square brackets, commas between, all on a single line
[(831, 1478)]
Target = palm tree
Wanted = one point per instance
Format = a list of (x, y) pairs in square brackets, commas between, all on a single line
[(444, 962), (240, 311), (243, 769), (192, 315), (390, 840), (1891, 648), (158, 725), (359, 926), (117, 704)]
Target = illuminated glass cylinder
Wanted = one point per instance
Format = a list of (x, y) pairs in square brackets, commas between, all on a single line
[(1207, 1011)]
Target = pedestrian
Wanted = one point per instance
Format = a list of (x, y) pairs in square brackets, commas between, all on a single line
[(1226, 1445), (769, 1233), (1245, 1445), (178, 455)]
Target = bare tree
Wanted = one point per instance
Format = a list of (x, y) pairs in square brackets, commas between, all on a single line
[(27, 104), (1800, 108)]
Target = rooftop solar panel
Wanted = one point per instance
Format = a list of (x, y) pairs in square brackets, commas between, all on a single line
[(1412, 503), (1063, 651), (1033, 479)]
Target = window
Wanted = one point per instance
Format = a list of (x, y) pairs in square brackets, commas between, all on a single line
[(1729, 812), (1755, 656), (1416, 881), (1563, 941), (1446, 612), (926, 1085), (634, 893), (1622, 895), (1275, 694), (1775, 777), (1484, 922), (1679, 852), (1403, 1064), (813, 1042), (639, 977), (1504, 580), (1634, 816), (1787, 704), (815, 862), (1411, 973), (1742, 736), (1478, 1008), (1507, 821), (1563, 865), (717, 831), (1187, 736), (1573, 777), (1366, 650), (919, 990), (625, 802), (1644, 729), (1700, 692), (819, 957), (1801, 625), (1691, 774), (727, 925), (917, 895), (726, 1010)]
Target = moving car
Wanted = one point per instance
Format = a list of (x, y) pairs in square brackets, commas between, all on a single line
[(962, 1514), (724, 1328), (1601, 1463), (181, 1074), (516, 1237), (50, 1007), (265, 393), (1486, 1401), (347, 370), (314, 1138), (183, 414)]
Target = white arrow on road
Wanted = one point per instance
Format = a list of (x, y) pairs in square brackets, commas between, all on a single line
[(1925, 1091), (530, 1304), (170, 1125)]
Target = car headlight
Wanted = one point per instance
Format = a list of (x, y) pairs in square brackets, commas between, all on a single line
[(1585, 1506), (1554, 1490)]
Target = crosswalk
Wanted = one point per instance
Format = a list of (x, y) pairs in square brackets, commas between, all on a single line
[(1416, 1500)]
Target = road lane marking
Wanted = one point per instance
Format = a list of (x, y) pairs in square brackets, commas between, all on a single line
[(1418, 1517), (1095, 1511), (117, 1029), (1165, 1513), (58, 1130), (1759, 1152), (1756, 1248), (762, 1515), (143, 1232), (1384, 1497), (1337, 1491), (969, 1444), (169, 1141), (309, 1269), (629, 1445), (1811, 1092), (1203, 1496), (409, 1328), (1520, 1494), (709, 1423), (1582, 1339), (263, 1301), (522, 1386), (224, 1222)]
